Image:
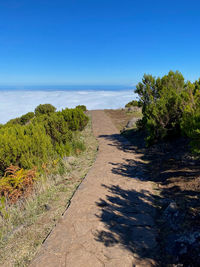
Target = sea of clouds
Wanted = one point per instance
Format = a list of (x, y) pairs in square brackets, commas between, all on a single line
[(16, 103)]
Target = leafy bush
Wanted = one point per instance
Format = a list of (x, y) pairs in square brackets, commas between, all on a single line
[(170, 107), (57, 129), (21, 120), (26, 118), (44, 109), (13, 122), (75, 118), (26, 146), (82, 107), (31, 142), (162, 105), (190, 122), (133, 103), (46, 137)]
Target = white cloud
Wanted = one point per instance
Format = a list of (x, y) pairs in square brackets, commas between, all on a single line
[(16, 103)]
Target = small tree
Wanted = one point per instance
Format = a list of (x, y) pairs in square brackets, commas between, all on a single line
[(26, 118), (82, 107), (190, 122), (133, 103), (44, 109), (161, 101)]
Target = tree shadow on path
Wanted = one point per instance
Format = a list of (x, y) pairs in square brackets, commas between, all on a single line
[(128, 219), (177, 175)]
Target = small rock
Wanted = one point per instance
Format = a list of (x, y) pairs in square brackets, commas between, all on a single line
[(132, 109), (131, 123), (171, 208), (47, 207)]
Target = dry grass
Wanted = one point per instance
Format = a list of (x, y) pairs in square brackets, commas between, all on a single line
[(31, 221), (120, 117)]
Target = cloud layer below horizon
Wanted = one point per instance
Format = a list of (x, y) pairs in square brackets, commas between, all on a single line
[(17, 103)]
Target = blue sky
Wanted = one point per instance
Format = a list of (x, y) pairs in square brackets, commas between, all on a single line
[(97, 42)]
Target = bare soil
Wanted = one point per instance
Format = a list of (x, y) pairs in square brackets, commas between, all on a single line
[(120, 117)]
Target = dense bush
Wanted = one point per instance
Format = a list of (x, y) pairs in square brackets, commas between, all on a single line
[(26, 146), (57, 129), (161, 104), (170, 107), (44, 109), (26, 118), (21, 120), (75, 118), (82, 107), (190, 123), (133, 103), (13, 121), (46, 137)]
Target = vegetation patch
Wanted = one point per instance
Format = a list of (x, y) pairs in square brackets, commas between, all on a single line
[(170, 107), (165, 135), (46, 160), (133, 103)]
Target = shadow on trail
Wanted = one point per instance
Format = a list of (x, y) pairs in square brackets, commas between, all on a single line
[(123, 144), (125, 214), (178, 178), (128, 214)]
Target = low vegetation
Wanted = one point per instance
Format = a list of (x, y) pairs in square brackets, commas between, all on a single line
[(82, 107), (47, 136), (43, 157), (133, 103)]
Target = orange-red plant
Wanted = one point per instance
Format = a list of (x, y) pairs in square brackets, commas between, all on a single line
[(16, 183)]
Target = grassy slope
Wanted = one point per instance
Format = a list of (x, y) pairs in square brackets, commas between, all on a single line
[(31, 221)]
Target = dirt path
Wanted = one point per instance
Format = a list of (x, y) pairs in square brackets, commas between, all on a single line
[(110, 219)]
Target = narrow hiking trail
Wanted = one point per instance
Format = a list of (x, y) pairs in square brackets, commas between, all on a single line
[(110, 219)]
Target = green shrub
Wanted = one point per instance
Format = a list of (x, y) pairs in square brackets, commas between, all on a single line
[(26, 118), (161, 101), (31, 140), (21, 120), (82, 107), (170, 107), (190, 122), (25, 146), (13, 121), (75, 118), (57, 129), (133, 103), (191, 127), (44, 109)]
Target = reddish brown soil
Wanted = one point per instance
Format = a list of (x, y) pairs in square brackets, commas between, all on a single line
[(110, 221)]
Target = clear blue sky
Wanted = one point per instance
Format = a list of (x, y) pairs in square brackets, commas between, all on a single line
[(58, 42)]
